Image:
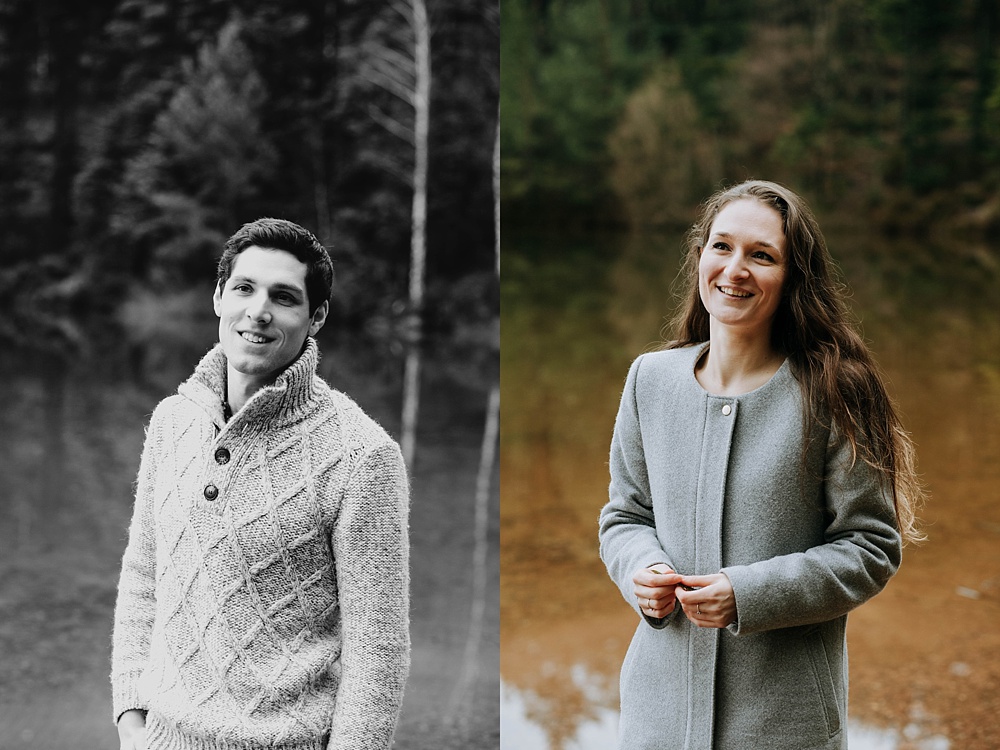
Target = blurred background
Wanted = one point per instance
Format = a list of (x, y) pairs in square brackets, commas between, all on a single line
[(618, 119), (135, 136)]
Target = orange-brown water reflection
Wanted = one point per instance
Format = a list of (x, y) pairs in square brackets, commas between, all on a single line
[(925, 654)]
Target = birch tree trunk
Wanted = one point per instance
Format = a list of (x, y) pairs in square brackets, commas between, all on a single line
[(411, 405), (407, 76), (421, 132)]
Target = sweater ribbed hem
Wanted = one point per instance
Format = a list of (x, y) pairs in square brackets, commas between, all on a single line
[(125, 696), (160, 736)]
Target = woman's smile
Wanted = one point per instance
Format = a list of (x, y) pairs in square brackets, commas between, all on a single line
[(733, 292)]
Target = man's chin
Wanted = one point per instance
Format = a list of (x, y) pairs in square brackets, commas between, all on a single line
[(253, 366)]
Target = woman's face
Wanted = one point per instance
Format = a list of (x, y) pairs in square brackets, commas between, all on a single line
[(742, 267)]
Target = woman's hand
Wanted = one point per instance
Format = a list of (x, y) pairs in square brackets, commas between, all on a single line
[(708, 601), (655, 589), (132, 730)]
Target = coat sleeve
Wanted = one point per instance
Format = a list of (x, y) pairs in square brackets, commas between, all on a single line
[(371, 546), (135, 607), (627, 530), (861, 551)]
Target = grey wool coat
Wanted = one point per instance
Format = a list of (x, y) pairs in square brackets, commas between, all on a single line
[(705, 488)]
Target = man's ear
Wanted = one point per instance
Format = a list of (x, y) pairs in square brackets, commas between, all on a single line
[(217, 301), (319, 318)]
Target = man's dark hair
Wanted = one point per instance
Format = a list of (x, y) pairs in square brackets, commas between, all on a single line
[(279, 234)]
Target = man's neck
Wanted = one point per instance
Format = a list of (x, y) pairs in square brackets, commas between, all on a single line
[(240, 388)]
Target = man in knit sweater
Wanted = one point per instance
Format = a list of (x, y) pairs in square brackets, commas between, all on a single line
[(263, 599)]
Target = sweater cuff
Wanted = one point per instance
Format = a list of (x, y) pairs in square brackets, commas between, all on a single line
[(125, 695)]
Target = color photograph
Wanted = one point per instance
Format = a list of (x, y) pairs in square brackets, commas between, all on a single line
[(750, 368)]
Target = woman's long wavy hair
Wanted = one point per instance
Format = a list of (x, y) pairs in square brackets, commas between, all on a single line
[(841, 384)]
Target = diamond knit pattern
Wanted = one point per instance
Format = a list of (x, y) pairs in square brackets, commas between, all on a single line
[(263, 601)]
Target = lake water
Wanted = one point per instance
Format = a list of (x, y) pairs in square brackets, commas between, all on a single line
[(925, 654), (71, 431)]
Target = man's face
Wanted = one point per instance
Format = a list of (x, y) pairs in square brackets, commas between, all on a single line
[(264, 313)]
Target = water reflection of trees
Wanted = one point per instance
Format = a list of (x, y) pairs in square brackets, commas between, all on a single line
[(574, 317)]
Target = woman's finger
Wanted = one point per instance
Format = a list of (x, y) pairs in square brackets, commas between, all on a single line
[(647, 577), (660, 609), (699, 582)]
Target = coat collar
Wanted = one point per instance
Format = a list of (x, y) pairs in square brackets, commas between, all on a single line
[(283, 401)]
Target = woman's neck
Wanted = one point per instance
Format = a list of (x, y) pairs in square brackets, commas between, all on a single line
[(736, 363)]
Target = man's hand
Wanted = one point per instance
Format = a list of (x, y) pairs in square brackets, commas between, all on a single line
[(132, 730)]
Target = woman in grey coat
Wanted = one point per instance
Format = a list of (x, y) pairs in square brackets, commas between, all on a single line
[(761, 488)]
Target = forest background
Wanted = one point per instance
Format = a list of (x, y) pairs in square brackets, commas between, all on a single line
[(634, 112), (136, 135), (618, 119)]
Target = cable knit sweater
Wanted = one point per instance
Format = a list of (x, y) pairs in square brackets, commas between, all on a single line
[(263, 600)]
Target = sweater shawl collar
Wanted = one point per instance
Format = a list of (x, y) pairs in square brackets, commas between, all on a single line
[(283, 401)]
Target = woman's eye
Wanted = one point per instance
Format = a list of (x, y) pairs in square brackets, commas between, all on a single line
[(764, 256), (720, 246)]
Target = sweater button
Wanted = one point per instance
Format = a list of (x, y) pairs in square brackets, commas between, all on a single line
[(222, 456), (211, 492), (726, 410)]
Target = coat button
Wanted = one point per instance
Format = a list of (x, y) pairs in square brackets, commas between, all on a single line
[(726, 410), (222, 456), (211, 492)]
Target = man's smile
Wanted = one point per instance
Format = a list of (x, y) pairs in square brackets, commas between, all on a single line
[(254, 338)]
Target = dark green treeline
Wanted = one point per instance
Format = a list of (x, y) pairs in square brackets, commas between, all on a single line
[(634, 111)]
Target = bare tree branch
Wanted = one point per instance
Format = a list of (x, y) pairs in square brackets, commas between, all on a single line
[(406, 78), (387, 163), (404, 9), (398, 60), (392, 125), (378, 78)]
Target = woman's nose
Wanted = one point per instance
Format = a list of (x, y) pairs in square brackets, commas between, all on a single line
[(737, 267)]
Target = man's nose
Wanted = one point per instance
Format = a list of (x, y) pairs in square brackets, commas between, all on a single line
[(259, 309)]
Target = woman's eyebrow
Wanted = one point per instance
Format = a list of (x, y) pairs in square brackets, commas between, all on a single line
[(727, 235)]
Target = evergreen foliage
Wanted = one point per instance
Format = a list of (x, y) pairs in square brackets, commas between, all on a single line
[(202, 165), (886, 108), (135, 135)]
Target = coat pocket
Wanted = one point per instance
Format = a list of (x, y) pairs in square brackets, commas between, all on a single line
[(819, 660)]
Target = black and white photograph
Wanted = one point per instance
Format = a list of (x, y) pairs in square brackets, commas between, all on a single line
[(249, 282)]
